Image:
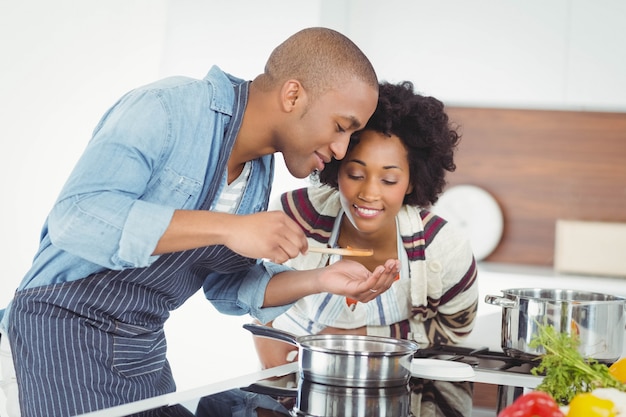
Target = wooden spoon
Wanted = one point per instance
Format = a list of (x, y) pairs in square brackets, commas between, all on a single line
[(343, 251)]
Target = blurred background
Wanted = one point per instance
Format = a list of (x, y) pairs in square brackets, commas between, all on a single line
[(64, 63)]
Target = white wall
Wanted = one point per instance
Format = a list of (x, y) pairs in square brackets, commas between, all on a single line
[(63, 63), (561, 54)]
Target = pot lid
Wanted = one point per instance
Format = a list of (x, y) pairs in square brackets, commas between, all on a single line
[(442, 370)]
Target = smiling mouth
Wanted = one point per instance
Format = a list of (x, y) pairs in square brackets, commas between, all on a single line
[(321, 162), (366, 212)]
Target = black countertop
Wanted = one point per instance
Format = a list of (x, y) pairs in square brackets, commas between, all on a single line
[(282, 387)]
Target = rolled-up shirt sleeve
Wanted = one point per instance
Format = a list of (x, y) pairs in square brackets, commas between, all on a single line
[(102, 213), (244, 293)]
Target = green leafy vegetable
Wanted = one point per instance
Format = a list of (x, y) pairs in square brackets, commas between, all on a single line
[(567, 372)]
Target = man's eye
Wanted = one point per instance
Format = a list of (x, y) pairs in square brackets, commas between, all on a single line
[(340, 129)]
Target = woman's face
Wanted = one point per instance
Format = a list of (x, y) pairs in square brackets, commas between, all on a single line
[(373, 180)]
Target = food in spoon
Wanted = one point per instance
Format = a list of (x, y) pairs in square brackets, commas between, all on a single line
[(343, 251)]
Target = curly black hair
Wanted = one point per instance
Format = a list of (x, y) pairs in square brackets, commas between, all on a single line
[(422, 125)]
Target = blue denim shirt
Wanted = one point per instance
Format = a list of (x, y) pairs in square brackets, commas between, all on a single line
[(151, 153)]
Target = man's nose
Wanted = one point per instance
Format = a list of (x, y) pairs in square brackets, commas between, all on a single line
[(340, 147)]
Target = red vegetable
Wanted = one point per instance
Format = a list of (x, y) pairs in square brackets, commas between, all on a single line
[(533, 404)]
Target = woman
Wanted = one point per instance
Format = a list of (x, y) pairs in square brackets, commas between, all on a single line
[(377, 198)]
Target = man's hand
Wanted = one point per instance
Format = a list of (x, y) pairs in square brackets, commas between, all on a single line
[(271, 235), (267, 235)]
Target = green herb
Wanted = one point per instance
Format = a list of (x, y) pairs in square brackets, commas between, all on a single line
[(567, 372)]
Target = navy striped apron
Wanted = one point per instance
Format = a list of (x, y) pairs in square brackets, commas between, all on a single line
[(99, 341)]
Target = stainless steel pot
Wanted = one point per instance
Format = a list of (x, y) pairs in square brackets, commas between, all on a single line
[(331, 401), (597, 318), (347, 360)]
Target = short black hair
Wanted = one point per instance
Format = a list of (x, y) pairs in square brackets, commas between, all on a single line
[(423, 126), (320, 58)]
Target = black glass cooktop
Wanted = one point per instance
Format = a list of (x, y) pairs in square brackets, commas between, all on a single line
[(288, 395)]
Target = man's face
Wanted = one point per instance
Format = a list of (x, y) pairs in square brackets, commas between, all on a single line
[(321, 129)]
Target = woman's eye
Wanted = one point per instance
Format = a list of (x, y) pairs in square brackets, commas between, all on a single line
[(340, 129), (354, 177), (390, 182)]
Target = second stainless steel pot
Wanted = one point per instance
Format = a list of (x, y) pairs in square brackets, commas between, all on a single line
[(347, 360), (597, 319), (332, 401)]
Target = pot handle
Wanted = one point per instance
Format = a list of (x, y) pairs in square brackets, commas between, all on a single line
[(271, 333), (501, 301)]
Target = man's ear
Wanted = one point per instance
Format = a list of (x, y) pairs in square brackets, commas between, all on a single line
[(290, 94)]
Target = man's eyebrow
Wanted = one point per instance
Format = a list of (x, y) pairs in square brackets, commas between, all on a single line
[(354, 122)]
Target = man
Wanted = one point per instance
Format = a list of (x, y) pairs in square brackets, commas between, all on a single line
[(170, 196)]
